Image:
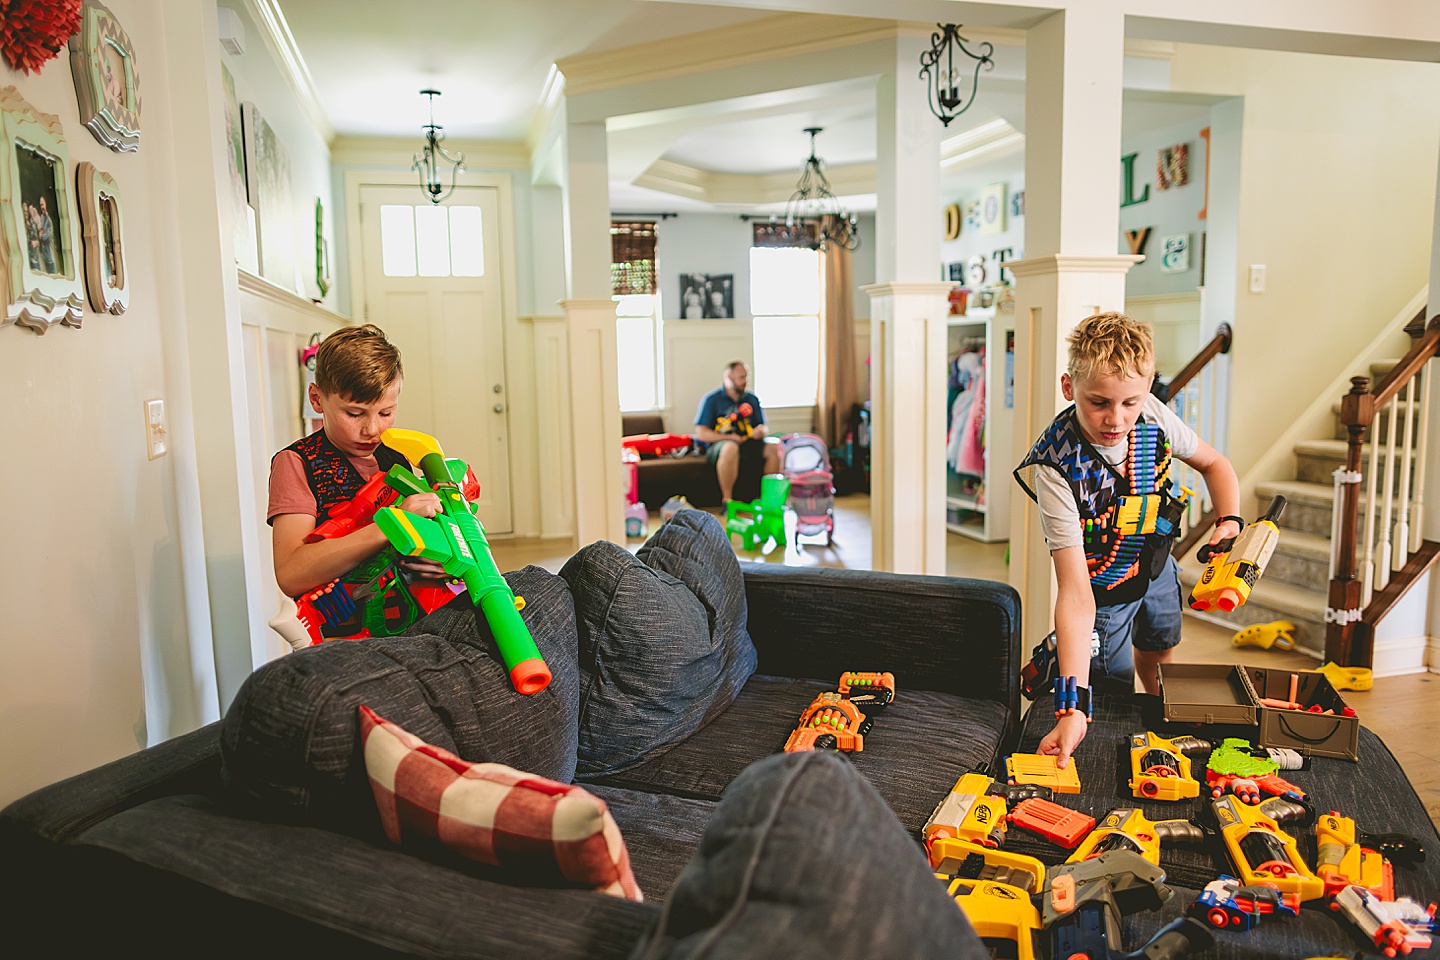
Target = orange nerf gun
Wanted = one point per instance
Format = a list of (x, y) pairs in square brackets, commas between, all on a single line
[(1232, 566), (839, 719)]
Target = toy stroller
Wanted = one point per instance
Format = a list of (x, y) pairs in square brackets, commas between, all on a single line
[(805, 462)]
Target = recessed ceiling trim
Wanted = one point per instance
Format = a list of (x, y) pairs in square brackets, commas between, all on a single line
[(270, 21), (747, 189), (400, 151), (551, 96), (755, 41)]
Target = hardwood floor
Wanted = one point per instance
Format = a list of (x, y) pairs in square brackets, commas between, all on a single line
[(1401, 710)]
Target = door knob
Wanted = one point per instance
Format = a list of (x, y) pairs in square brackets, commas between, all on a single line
[(498, 388)]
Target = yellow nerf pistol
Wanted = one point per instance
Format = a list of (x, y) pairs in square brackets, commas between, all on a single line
[(1234, 565)]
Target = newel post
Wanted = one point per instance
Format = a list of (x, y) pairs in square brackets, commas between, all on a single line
[(1342, 610)]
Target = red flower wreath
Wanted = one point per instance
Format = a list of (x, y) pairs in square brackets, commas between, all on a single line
[(34, 31)]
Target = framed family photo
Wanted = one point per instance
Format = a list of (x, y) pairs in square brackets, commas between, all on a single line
[(41, 279), (102, 236), (107, 82), (707, 296)]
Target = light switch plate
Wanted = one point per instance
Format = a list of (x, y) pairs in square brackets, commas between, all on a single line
[(157, 436), (1257, 278)]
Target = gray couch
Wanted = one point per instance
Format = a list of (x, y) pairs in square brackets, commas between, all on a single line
[(674, 671)]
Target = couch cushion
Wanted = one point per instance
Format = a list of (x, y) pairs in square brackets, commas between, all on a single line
[(535, 830), (661, 832), (290, 740), (802, 860), (918, 748), (656, 662)]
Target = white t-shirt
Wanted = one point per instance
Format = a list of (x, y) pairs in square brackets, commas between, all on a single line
[(1059, 515)]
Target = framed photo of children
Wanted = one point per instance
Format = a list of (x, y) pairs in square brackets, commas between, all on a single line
[(707, 296), (107, 82), (101, 234), (41, 278)]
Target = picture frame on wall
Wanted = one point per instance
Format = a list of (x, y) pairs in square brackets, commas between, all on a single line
[(267, 181), (102, 236), (243, 222), (707, 296), (992, 209), (322, 251), (41, 279), (107, 81)]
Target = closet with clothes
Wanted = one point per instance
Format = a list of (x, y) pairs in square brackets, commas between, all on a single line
[(977, 426)]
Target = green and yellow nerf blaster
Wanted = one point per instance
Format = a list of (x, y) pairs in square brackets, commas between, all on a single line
[(456, 540)]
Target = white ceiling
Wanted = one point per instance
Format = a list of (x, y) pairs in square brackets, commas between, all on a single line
[(491, 60)]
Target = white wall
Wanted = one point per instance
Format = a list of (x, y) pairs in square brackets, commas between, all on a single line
[(98, 619)]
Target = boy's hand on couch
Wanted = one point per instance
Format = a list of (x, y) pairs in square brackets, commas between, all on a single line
[(1062, 740)]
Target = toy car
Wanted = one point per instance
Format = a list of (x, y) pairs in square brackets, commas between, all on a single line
[(1224, 904), (656, 444)]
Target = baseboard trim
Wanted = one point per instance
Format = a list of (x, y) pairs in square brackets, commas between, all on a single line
[(1396, 658), (1432, 655)]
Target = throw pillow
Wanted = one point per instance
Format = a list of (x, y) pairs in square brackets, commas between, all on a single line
[(803, 860), (289, 740), (659, 658), (533, 828)]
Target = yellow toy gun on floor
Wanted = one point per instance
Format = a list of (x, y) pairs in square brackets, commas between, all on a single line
[(1232, 566), (456, 540)]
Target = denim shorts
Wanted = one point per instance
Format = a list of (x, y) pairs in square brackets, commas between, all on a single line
[(1151, 623)]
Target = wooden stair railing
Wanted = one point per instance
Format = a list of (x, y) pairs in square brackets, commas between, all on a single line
[(1360, 594), (1218, 344)]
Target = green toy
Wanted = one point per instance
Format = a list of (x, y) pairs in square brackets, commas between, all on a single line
[(1234, 757), (763, 520)]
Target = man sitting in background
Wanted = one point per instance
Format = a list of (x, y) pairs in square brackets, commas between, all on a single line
[(730, 424)]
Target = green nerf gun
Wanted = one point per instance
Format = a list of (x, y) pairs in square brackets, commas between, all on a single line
[(456, 540)]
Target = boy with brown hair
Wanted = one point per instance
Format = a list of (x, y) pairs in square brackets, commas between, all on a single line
[(358, 376), (1100, 474)]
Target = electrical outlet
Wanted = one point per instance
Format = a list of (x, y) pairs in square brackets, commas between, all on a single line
[(1257, 278), (156, 433)]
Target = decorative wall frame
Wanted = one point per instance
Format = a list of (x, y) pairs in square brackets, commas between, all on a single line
[(102, 235), (1175, 253), (40, 284), (992, 209), (322, 250), (267, 175), (1172, 166), (107, 81)]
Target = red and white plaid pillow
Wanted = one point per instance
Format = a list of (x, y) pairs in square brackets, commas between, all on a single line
[(492, 813)]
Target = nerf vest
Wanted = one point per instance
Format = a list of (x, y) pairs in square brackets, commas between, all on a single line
[(1128, 522), (332, 477)]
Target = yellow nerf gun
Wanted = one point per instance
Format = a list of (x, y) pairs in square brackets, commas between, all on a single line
[(1130, 829), (1232, 566), (1260, 851), (1160, 768)]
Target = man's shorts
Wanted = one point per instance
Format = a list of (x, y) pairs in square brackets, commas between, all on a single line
[(751, 451), (1151, 623)]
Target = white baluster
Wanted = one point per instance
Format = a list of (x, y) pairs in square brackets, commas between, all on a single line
[(1402, 522), (1382, 566), (1366, 571), (1417, 510)]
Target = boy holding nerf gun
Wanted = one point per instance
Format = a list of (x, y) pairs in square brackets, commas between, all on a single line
[(1100, 474)]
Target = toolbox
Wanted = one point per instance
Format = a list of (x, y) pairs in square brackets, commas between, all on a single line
[(1229, 694)]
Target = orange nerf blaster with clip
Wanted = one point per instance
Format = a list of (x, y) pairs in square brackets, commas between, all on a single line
[(1232, 566), (839, 719)]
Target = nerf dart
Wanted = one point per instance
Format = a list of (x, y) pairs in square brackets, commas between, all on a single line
[(839, 720), (1277, 633), (1225, 904), (1232, 566), (1129, 829), (456, 540), (1082, 906), (1395, 927), (1260, 851), (1160, 768)]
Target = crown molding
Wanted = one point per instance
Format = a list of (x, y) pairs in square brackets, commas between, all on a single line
[(1073, 263), (270, 21), (400, 152), (756, 41), (748, 189), (552, 95)]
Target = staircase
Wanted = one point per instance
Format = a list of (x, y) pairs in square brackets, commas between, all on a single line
[(1296, 581)]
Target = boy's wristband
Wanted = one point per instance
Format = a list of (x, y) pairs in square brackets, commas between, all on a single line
[(1239, 521), (1070, 698)]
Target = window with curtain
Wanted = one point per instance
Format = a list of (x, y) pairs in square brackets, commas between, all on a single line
[(785, 305), (639, 332)]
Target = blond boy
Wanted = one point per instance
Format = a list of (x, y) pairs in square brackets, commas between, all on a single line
[(1111, 452), (358, 376)]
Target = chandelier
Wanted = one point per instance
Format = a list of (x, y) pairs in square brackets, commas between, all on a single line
[(814, 203), (427, 161), (943, 80)]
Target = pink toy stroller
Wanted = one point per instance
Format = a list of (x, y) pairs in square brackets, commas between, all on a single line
[(805, 462)]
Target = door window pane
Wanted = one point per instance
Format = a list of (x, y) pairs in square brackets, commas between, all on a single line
[(397, 240), (467, 242), (432, 241)]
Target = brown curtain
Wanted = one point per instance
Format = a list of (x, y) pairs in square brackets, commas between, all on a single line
[(838, 392)]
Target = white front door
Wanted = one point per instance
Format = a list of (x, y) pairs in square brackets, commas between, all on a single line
[(433, 284)]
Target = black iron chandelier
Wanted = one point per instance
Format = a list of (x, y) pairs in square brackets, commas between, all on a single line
[(427, 161), (814, 203), (943, 82)]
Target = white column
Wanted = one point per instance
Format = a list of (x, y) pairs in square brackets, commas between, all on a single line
[(1073, 88), (908, 311), (907, 400), (590, 317)]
